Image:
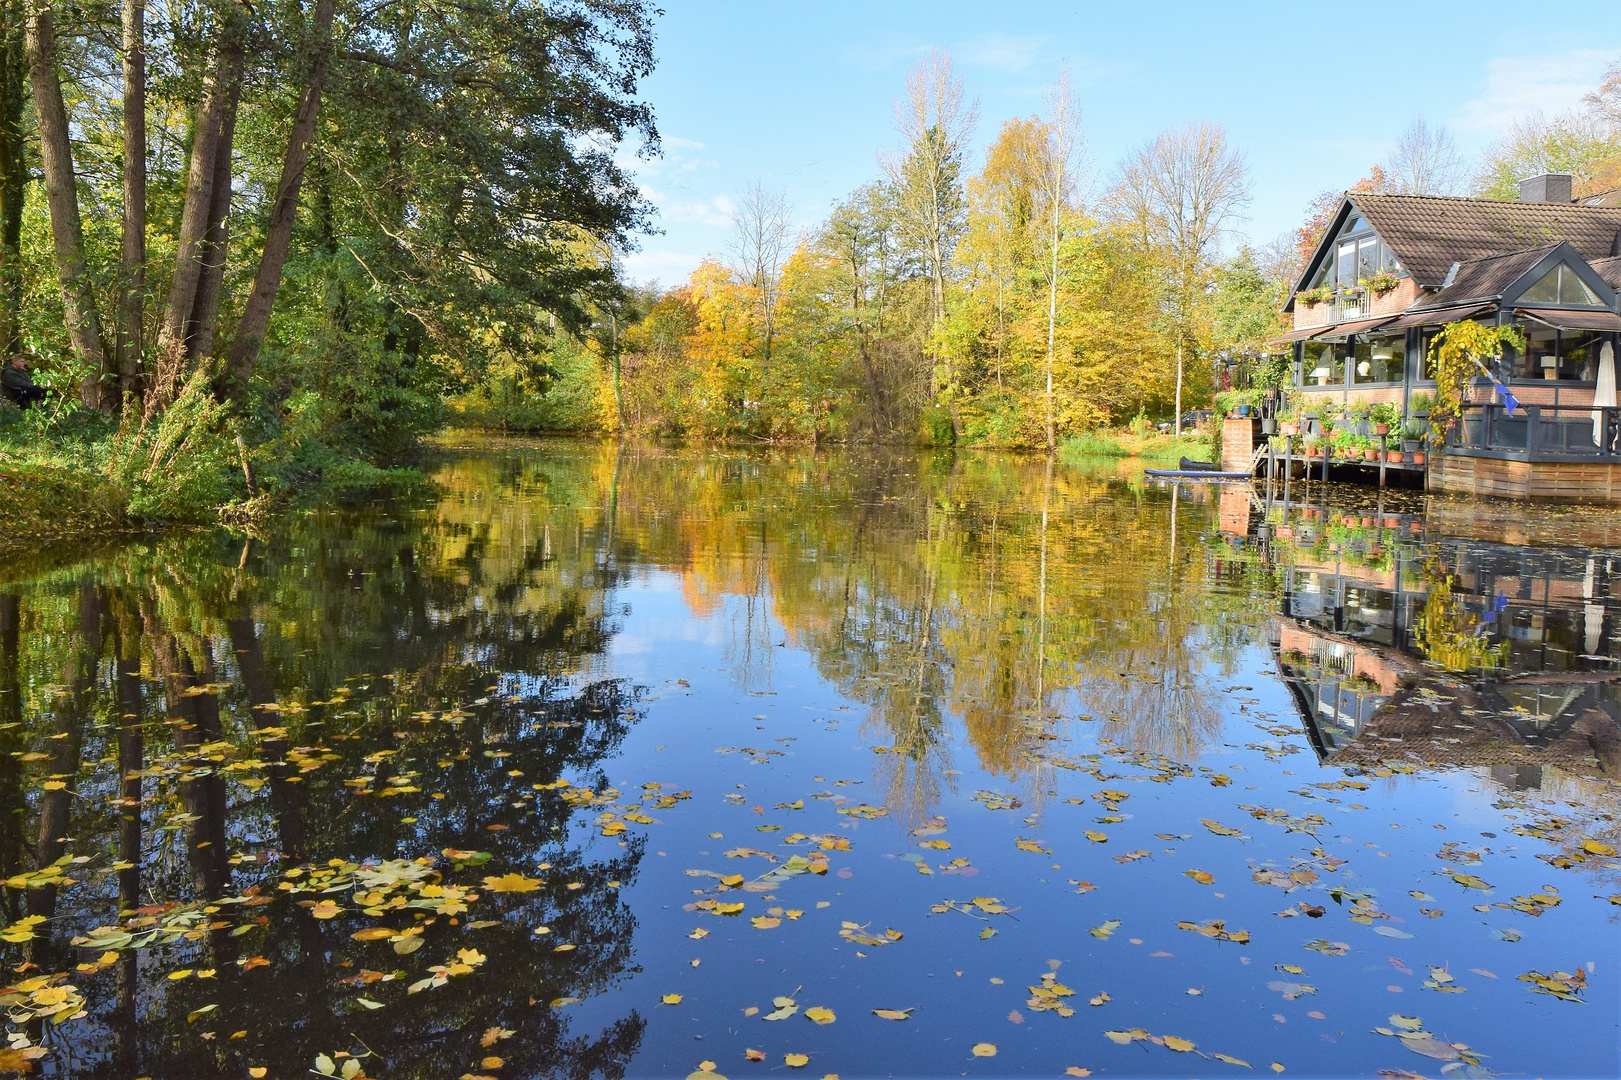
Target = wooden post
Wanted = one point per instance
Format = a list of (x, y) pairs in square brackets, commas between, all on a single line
[(1288, 471), (1381, 468)]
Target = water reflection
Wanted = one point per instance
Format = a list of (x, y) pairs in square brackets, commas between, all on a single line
[(1401, 642), (203, 739)]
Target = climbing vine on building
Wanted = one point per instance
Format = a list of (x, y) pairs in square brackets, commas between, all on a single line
[(1460, 352)]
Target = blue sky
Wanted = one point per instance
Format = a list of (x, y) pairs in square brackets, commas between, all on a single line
[(800, 96)]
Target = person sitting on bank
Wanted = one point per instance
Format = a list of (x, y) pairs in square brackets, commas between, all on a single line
[(19, 387)]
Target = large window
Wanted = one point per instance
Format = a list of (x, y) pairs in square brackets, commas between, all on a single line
[(1379, 360), (1325, 364), (1356, 255), (1561, 285), (1559, 354)]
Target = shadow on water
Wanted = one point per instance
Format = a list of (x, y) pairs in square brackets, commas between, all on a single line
[(349, 789)]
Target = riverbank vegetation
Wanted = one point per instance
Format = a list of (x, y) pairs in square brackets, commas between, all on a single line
[(250, 248)]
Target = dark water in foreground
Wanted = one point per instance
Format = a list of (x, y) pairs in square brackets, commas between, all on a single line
[(619, 762)]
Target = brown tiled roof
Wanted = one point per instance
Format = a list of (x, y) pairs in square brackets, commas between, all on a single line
[(1485, 279), (1429, 233), (1608, 269), (1602, 198)]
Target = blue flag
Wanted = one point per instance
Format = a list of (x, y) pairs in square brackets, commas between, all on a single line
[(1510, 402)]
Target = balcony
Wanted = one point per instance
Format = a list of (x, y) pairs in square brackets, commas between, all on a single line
[(1347, 308)]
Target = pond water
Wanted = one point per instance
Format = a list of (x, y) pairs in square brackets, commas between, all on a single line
[(621, 761)]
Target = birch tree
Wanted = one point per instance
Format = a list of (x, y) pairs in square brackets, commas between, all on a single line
[(1425, 161), (935, 121), (759, 238), (1057, 185)]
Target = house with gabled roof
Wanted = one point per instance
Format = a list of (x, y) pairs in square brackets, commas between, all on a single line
[(1392, 270)]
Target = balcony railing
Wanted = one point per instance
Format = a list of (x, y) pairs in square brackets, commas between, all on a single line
[(1541, 432), (1340, 309)]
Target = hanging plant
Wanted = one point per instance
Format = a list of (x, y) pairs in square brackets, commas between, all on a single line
[(1382, 282), (1317, 295), (1456, 356)]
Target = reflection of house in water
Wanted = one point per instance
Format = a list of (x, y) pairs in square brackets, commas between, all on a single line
[(1349, 652)]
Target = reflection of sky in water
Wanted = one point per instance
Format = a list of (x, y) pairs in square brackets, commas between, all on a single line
[(775, 659)]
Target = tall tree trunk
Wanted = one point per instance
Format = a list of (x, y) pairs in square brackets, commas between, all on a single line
[(250, 331), (62, 196), (208, 143), (131, 303), (216, 244), (13, 171)]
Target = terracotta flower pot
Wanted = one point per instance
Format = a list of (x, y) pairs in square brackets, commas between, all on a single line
[(1418, 459), (1392, 457), (1291, 428), (1370, 455), (1381, 429)]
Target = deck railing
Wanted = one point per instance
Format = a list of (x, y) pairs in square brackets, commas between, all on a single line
[(1554, 432)]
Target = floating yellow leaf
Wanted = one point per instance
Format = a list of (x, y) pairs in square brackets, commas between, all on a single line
[(754, 1055), (893, 1014), (765, 922), (1126, 1038), (795, 1061), (257, 1072), (1203, 877), (1179, 1045), (984, 1049), (819, 1015), (176, 976), (727, 909), (698, 933), (1076, 1070), (511, 883), (1097, 837), (1232, 1060), (374, 933), (326, 909), (1595, 847), (1218, 828), (671, 999), (1470, 881)]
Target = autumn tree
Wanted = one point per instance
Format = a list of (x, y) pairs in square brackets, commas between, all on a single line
[(1425, 161), (1178, 194)]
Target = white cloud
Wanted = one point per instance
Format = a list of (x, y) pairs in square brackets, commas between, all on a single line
[(669, 268), (1517, 86), (715, 211), (1000, 52)]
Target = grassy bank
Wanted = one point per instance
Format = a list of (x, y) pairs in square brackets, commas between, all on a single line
[(1153, 449)]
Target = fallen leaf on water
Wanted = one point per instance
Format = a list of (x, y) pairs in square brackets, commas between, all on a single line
[(796, 1061), (257, 1072), (819, 1015), (1406, 1023), (765, 922), (1101, 999), (984, 1049), (1218, 828), (1277, 1067), (1076, 1070), (1179, 1045), (671, 999), (1097, 837), (375, 933), (514, 883), (1203, 877), (1484, 972), (1231, 1060), (1595, 847), (754, 1055), (1470, 881), (1126, 1038), (699, 933), (326, 909), (1106, 929), (894, 1014)]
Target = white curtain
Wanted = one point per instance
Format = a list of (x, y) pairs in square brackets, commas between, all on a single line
[(1604, 393)]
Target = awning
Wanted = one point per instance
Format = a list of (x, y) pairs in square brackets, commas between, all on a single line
[(1566, 319), (1333, 330), (1439, 316), (1361, 326)]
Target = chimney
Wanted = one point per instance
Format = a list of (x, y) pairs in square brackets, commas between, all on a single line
[(1549, 187)]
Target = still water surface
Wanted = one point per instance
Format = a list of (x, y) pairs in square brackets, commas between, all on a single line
[(634, 762)]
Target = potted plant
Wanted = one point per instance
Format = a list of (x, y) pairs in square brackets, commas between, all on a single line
[(1289, 427), (1412, 435), (1384, 416), (1315, 296)]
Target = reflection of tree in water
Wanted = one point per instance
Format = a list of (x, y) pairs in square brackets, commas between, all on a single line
[(280, 665), (1446, 632)]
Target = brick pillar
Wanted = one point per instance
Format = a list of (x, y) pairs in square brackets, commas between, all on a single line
[(1239, 437)]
